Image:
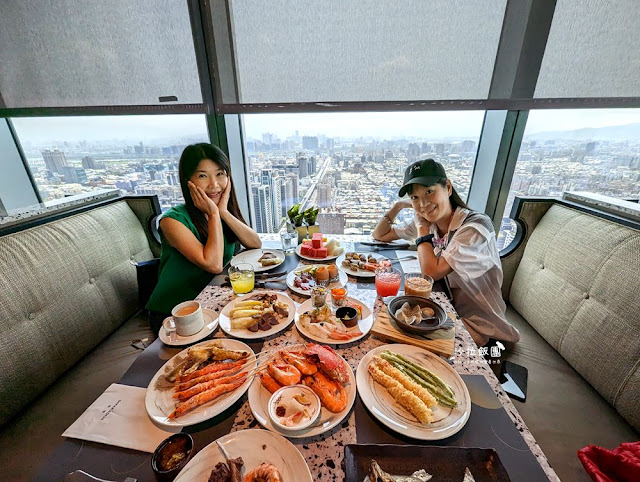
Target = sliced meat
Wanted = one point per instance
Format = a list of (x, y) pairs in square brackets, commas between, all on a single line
[(254, 327), (220, 473), (270, 318), (280, 311), (266, 255), (235, 467)]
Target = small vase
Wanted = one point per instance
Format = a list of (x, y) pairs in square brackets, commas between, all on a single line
[(315, 228), (302, 233)]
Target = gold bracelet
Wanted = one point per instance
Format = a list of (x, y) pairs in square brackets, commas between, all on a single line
[(388, 219)]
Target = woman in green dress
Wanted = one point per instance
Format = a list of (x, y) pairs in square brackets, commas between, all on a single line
[(200, 236)]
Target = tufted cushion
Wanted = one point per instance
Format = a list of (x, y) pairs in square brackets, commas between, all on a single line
[(65, 286), (578, 285)]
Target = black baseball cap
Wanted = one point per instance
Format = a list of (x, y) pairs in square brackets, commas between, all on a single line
[(426, 172)]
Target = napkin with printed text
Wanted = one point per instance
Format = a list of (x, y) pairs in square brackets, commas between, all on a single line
[(118, 417)]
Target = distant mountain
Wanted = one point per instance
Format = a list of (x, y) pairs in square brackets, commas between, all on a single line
[(627, 132)]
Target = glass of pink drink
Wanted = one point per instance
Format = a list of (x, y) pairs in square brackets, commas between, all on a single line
[(388, 281)]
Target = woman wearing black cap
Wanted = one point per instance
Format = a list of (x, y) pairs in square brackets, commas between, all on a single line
[(455, 242)]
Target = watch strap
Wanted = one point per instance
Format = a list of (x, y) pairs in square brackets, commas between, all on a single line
[(425, 239)]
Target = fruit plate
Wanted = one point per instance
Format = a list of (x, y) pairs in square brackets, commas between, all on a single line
[(328, 258)]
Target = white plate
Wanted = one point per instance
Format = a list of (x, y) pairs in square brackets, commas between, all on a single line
[(336, 284), (365, 324), (210, 325), (252, 256), (255, 447), (328, 258), (160, 403), (259, 403), (360, 273), (225, 321), (382, 405)]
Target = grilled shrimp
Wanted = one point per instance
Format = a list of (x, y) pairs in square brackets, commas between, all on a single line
[(205, 397), (264, 473), (284, 373), (298, 360), (332, 394), (269, 382)]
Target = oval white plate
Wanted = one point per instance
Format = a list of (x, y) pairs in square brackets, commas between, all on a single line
[(259, 402), (365, 324), (210, 325), (252, 256), (225, 321), (255, 447), (328, 258), (160, 403), (336, 284), (361, 273), (382, 405)]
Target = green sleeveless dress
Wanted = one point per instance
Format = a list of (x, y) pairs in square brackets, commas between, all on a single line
[(178, 278)]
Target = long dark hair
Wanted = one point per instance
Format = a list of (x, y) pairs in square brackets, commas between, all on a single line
[(189, 160)]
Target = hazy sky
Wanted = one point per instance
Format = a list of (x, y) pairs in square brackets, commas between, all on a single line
[(387, 125)]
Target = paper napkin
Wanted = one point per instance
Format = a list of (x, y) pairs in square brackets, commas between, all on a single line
[(118, 417)]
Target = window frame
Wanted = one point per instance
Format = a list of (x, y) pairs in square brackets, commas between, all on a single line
[(524, 34)]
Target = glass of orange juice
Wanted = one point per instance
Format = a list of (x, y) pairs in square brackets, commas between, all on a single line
[(242, 278)]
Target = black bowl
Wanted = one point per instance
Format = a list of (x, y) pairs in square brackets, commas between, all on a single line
[(348, 315), (424, 327), (178, 441)]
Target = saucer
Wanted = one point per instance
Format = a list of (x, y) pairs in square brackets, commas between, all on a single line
[(210, 325)]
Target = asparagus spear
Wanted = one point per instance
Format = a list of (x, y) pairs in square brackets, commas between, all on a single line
[(439, 389)]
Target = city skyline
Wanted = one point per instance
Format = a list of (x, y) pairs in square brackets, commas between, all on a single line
[(389, 125), (353, 179)]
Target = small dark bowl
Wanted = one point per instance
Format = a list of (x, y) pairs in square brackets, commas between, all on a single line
[(348, 315), (424, 327), (170, 444)]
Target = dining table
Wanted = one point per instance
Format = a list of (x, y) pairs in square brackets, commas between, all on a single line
[(493, 422)]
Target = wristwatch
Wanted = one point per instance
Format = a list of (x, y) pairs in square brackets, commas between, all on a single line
[(425, 239)]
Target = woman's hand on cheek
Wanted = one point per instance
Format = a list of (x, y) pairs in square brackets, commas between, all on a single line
[(223, 205), (403, 204), (200, 200), (422, 224)]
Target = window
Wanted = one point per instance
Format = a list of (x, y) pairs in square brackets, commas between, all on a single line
[(351, 165), (592, 150), (136, 154)]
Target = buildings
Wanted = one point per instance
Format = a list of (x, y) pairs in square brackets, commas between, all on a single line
[(89, 163), (55, 160), (324, 194), (263, 210)]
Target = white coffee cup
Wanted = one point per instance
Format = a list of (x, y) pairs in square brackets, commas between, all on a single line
[(187, 317)]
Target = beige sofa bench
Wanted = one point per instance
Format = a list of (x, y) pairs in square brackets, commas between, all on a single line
[(68, 314), (572, 282)]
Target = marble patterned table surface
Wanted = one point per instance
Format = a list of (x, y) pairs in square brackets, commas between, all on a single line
[(330, 446)]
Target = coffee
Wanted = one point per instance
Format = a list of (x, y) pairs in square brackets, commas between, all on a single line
[(187, 318), (187, 310)]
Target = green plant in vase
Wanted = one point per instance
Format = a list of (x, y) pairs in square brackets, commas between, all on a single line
[(295, 219), (310, 217)]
